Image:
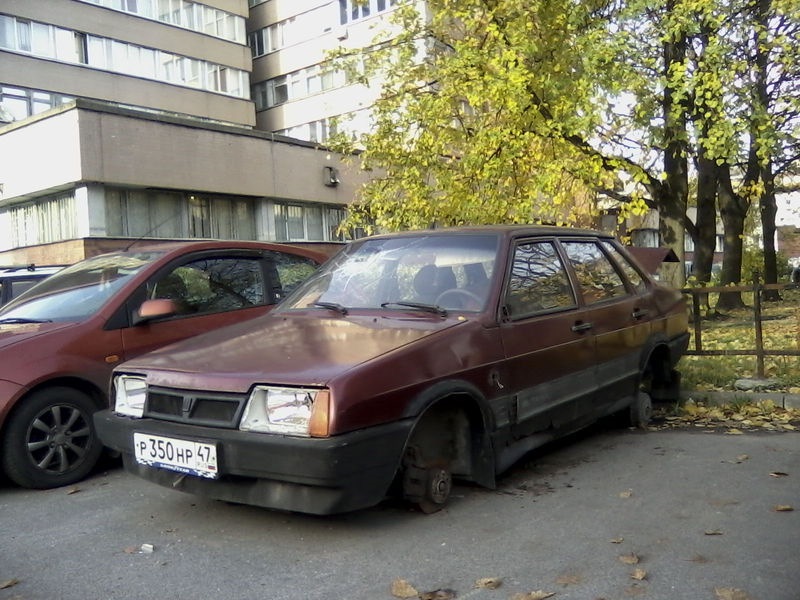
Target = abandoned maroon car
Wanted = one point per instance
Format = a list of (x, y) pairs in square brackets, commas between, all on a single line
[(406, 361)]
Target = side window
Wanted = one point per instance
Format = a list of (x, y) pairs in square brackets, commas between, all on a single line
[(637, 281), (596, 275), (292, 270), (538, 280), (213, 285)]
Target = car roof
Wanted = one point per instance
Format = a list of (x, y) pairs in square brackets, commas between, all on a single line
[(183, 246), (509, 231), (28, 271)]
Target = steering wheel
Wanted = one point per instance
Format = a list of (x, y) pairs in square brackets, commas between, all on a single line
[(459, 292)]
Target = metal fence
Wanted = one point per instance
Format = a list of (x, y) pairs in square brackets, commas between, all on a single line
[(757, 289)]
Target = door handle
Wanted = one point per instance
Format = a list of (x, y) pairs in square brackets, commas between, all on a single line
[(638, 314), (580, 327)]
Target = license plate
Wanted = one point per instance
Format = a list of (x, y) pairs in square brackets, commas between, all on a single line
[(183, 456)]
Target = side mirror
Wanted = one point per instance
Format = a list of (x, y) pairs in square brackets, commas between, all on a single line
[(155, 309)]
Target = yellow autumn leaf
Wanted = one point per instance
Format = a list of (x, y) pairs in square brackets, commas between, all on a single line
[(402, 589), (639, 574), (489, 583), (629, 559), (537, 595), (730, 594), (9, 583)]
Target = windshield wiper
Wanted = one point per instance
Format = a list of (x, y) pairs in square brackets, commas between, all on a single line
[(431, 308), (332, 306), (16, 320)]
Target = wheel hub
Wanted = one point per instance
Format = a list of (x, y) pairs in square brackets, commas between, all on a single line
[(59, 437), (440, 483)]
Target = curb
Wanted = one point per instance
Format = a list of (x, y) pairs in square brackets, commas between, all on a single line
[(782, 399)]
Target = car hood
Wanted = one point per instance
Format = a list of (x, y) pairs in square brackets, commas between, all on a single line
[(283, 350), (14, 333)]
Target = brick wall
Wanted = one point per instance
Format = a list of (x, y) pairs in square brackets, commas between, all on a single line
[(789, 242)]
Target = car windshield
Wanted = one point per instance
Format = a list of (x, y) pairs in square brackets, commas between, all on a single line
[(427, 272), (78, 291)]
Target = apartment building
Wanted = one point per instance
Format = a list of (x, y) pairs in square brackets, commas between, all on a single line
[(127, 118), (167, 55), (296, 90)]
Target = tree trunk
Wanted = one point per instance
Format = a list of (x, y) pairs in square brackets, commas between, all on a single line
[(733, 210), (767, 202), (706, 220), (705, 230), (769, 209), (673, 199)]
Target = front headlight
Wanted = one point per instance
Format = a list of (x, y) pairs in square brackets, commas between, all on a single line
[(129, 396), (293, 411)]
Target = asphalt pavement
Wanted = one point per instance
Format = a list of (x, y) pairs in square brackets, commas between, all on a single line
[(610, 514)]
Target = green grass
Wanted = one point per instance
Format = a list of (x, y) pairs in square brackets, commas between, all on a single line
[(735, 330)]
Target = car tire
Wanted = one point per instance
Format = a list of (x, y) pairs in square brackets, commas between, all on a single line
[(640, 411), (50, 440)]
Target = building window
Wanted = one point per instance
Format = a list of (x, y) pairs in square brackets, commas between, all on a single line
[(182, 13), (316, 131), (307, 222), (20, 103), (295, 86), (46, 220), (156, 214), (137, 213), (120, 57), (221, 218), (276, 36), (354, 10)]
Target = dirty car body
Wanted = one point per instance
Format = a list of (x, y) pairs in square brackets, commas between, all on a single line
[(60, 340), (407, 360)]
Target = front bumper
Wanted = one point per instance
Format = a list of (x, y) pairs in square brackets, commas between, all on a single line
[(312, 475)]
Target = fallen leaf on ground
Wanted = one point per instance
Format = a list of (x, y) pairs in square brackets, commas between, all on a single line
[(438, 595), (537, 595), (629, 559), (9, 583), (569, 579), (783, 508), (730, 594), (73, 490), (734, 431), (402, 589), (778, 474), (626, 494), (699, 559), (635, 590), (742, 457), (618, 540), (489, 583), (713, 532), (639, 575)]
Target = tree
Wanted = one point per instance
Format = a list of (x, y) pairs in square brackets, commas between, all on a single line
[(485, 115), (507, 110)]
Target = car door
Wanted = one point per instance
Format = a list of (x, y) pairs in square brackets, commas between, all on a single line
[(549, 350), (209, 291), (618, 309)]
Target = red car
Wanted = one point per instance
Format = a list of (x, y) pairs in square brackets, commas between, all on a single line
[(405, 361), (60, 340)]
